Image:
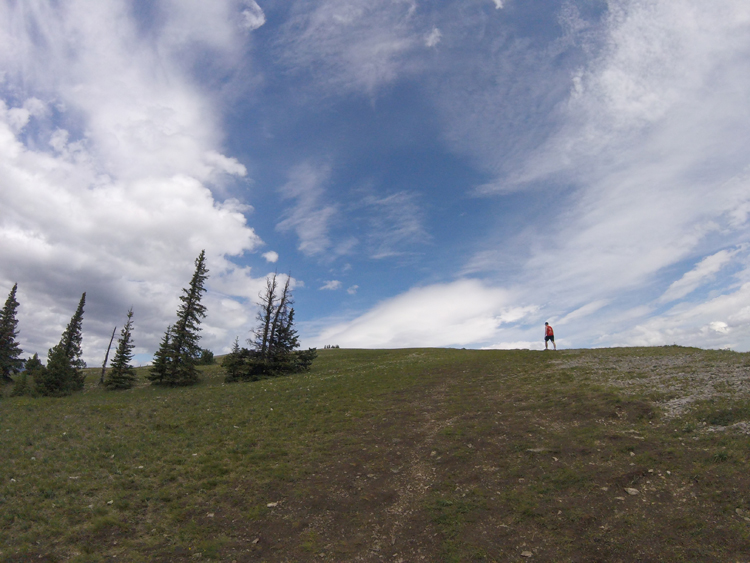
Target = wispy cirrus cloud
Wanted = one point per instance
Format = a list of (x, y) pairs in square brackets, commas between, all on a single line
[(639, 142), (331, 285), (396, 223), (356, 45), (312, 212), (704, 271)]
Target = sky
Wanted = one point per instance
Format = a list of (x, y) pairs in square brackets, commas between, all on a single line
[(451, 173)]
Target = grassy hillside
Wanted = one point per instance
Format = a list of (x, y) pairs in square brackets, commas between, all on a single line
[(636, 454)]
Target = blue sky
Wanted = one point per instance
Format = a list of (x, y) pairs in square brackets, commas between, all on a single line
[(449, 173)]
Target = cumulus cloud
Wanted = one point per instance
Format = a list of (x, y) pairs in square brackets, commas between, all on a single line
[(271, 256), (107, 164)]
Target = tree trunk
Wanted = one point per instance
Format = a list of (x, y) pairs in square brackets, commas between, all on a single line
[(106, 357)]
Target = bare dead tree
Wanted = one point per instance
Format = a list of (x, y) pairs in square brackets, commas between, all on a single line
[(106, 357)]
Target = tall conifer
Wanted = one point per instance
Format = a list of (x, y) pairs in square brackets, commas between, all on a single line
[(65, 365), (10, 351), (181, 350), (121, 374)]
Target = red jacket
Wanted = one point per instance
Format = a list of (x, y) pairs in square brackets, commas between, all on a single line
[(548, 331)]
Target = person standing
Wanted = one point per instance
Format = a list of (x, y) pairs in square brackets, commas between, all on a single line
[(549, 335)]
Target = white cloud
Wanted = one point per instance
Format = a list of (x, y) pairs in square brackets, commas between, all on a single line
[(271, 256), (350, 44), (253, 16), (703, 272), (721, 322), (312, 213), (583, 311), (460, 313), (396, 222), (105, 171), (498, 4), (648, 147), (331, 285), (433, 38), (352, 290)]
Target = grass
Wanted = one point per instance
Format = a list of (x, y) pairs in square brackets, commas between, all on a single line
[(426, 454)]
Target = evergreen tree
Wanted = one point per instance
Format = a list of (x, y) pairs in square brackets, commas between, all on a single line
[(10, 351), (184, 352), (121, 374), (275, 340), (64, 373), (162, 359), (24, 384), (232, 362)]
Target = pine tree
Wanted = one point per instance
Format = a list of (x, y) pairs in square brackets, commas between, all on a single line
[(10, 351), (121, 374), (183, 350), (275, 340), (162, 359), (232, 362), (24, 384), (64, 373)]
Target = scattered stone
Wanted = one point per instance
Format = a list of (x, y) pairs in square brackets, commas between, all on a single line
[(210, 515), (605, 488), (74, 477), (110, 502), (620, 498), (632, 491), (632, 454), (526, 554), (256, 540), (272, 504)]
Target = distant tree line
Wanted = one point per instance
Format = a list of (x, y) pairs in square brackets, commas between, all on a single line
[(272, 353)]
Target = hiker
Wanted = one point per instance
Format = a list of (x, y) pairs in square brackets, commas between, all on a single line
[(549, 334)]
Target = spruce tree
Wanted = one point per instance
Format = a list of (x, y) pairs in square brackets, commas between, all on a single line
[(183, 350), (24, 384), (162, 359), (64, 373), (274, 343), (232, 363), (121, 374), (10, 351)]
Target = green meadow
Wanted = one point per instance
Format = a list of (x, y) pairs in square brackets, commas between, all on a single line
[(627, 454)]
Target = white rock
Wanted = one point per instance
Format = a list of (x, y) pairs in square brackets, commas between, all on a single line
[(632, 491)]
